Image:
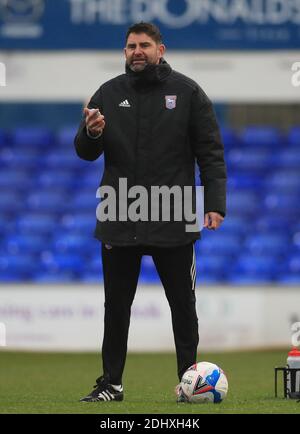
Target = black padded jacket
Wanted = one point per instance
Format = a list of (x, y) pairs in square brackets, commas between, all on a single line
[(159, 123)]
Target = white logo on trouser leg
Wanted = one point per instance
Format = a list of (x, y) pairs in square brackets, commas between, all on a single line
[(193, 269)]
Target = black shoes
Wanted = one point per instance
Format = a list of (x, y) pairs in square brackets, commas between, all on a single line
[(104, 391)]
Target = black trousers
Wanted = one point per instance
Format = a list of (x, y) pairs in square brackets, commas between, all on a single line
[(121, 268)]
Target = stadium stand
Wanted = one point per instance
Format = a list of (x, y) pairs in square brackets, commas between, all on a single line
[(47, 210)]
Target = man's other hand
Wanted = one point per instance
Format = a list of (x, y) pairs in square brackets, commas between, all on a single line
[(212, 220)]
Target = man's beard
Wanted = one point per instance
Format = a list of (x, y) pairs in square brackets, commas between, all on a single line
[(138, 67)]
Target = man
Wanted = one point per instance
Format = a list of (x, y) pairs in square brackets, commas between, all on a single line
[(152, 123)]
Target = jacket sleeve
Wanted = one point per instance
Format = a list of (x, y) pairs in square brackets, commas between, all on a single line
[(88, 148), (209, 152)]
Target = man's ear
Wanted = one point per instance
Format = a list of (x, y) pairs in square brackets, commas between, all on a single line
[(162, 49)]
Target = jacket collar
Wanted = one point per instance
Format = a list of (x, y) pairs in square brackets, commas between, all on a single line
[(151, 74)]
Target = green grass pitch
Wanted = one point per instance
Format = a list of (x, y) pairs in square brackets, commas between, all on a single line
[(54, 383)]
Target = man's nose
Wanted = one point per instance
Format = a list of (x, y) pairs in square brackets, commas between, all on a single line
[(138, 51)]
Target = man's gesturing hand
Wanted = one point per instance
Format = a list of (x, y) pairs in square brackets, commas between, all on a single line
[(213, 220), (94, 121)]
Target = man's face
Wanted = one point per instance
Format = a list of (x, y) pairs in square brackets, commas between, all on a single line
[(141, 50)]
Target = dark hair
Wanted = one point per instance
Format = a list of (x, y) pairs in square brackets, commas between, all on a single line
[(150, 29)]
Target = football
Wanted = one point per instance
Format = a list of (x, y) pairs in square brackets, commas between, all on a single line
[(204, 382)]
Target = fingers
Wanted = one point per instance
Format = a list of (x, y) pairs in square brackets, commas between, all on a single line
[(91, 113), (213, 220), (96, 123), (86, 111), (206, 221), (94, 120)]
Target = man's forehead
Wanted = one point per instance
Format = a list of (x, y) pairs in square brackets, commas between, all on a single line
[(138, 38)]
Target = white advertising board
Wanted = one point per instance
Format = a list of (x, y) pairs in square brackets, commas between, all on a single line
[(227, 77), (70, 318)]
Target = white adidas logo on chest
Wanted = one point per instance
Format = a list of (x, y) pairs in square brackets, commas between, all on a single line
[(124, 103)]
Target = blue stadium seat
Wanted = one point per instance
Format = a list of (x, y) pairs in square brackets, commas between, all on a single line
[(284, 180), (282, 204), (256, 160), (15, 178), (149, 278), (11, 276), (94, 264), (56, 178), (272, 223), (293, 263), (261, 136), (296, 241), (7, 225), (236, 225), (289, 273), (90, 179), (22, 264), (229, 138), (29, 243), (54, 277), (289, 279), (243, 203), (96, 168), (287, 158), (253, 269), (206, 279), (39, 137), (256, 265), (242, 278), (92, 271), (244, 181), (91, 277), (6, 155), (47, 200), (65, 136), (10, 201), (75, 243), (218, 243), (62, 263), (63, 158), (296, 226), (37, 223), (294, 136), (83, 223), (214, 265), (148, 274), (84, 200), (20, 160), (267, 244)]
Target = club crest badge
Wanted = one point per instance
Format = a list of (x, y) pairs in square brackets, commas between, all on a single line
[(170, 101)]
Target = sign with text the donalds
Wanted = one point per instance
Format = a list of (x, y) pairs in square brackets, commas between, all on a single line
[(184, 24)]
